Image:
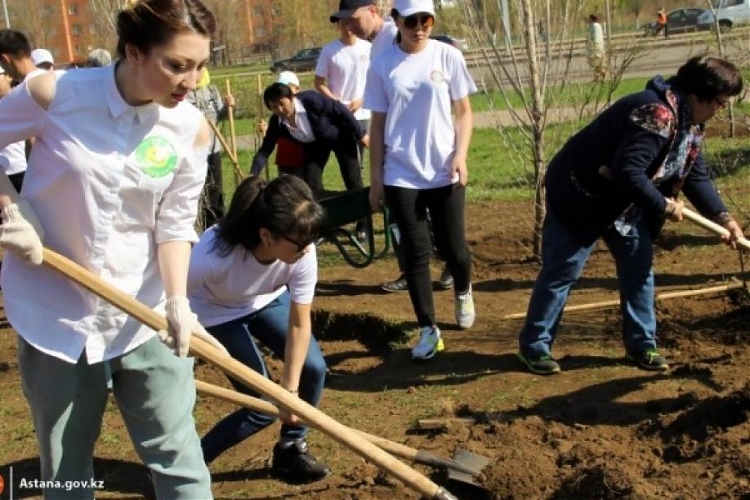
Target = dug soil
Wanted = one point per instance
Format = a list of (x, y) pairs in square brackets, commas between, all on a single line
[(602, 429)]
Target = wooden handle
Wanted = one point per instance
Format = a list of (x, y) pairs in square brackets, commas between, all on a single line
[(397, 449), (232, 136), (199, 347), (698, 219), (232, 158)]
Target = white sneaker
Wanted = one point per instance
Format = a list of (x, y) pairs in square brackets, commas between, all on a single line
[(430, 343), (465, 314)]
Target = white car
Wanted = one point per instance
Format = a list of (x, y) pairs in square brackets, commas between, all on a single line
[(730, 13)]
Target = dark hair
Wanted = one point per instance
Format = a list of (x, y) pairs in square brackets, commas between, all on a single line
[(709, 77), (593, 18), (146, 23), (285, 206), (276, 91), (14, 43)]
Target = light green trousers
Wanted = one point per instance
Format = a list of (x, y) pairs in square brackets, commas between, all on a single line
[(155, 392)]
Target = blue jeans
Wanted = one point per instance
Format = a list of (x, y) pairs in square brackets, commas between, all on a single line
[(270, 327), (563, 260)]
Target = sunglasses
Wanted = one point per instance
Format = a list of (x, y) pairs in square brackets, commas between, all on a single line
[(423, 20), (300, 246)]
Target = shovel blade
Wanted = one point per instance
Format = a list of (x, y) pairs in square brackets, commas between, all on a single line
[(471, 461)]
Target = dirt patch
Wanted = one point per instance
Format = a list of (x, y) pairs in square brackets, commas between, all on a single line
[(600, 430)]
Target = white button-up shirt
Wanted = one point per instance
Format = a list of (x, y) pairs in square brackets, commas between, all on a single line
[(303, 131), (109, 182)]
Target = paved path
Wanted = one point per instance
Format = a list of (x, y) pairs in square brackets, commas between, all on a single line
[(484, 119)]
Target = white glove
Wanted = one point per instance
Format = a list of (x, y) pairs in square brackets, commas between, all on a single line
[(182, 321), (21, 232)]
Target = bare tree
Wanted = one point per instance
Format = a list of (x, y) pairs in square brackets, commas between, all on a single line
[(536, 68)]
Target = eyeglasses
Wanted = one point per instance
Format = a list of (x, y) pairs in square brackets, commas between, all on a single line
[(424, 20), (300, 246)]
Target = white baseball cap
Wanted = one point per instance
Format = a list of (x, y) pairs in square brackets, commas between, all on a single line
[(407, 8), (288, 78), (41, 56)]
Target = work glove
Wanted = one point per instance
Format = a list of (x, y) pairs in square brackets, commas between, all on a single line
[(21, 232), (183, 323)]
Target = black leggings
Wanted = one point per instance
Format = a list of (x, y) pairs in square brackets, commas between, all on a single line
[(409, 209)]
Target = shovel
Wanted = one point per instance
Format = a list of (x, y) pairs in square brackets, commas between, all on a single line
[(467, 467), (203, 349), (711, 226)]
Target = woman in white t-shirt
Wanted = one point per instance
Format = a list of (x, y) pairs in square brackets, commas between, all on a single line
[(252, 279), (113, 184), (418, 158)]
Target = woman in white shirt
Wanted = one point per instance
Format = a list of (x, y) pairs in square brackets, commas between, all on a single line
[(113, 184), (252, 279), (418, 158)]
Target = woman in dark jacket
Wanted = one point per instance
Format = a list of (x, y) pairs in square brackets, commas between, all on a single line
[(619, 179), (321, 125)]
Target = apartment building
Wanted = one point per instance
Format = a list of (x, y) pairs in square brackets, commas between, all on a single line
[(69, 29)]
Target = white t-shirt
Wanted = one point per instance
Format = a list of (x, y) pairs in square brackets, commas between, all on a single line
[(416, 91), (108, 182), (226, 288), (385, 38), (345, 69), (13, 158)]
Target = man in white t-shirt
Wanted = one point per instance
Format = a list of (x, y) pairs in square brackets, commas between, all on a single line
[(363, 19), (341, 73)]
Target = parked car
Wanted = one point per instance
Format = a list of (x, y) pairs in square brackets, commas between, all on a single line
[(729, 12), (304, 60), (460, 43), (678, 21)]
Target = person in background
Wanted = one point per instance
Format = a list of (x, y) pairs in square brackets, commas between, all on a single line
[(416, 168), (98, 58), (252, 280), (290, 155), (595, 53), (43, 59), (341, 72), (662, 23), (113, 184), (317, 122), (206, 97), (15, 55), (363, 19), (13, 156), (618, 179)]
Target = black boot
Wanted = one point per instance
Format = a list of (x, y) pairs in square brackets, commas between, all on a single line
[(295, 465)]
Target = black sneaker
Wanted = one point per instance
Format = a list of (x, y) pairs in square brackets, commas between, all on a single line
[(397, 285), (295, 465), (649, 359), (543, 365), (445, 282)]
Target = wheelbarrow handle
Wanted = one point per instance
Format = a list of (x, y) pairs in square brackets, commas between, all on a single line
[(201, 348), (698, 219), (397, 449)]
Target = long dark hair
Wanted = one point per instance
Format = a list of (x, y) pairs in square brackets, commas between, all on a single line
[(148, 23), (285, 206)]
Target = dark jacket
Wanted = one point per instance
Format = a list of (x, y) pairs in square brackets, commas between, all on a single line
[(331, 122), (633, 149)]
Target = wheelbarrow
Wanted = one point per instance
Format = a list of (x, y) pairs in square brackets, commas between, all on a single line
[(348, 208)]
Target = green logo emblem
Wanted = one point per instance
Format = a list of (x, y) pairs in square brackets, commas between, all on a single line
[(156, 156)]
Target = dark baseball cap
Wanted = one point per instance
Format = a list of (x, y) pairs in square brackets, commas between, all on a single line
[(347, 8)]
